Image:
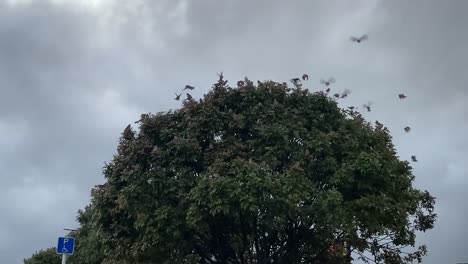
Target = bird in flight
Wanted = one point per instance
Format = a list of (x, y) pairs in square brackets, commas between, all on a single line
[(360, 39), (407, 129), (296, 82), (177, 96), (327, 82), (240, 83), (402, 96), (328, 90), (413, 159), (367, 106), (337, 95), (188, 87), (345, 93), (305, 77)]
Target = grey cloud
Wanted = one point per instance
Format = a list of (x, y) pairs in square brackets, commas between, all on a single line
[(54, 118), (71, 78), (431, 35)]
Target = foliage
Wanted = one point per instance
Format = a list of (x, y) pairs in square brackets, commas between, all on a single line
[(253, 175), (47, 256), (88, 243)]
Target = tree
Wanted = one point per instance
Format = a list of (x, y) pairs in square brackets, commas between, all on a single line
[(89, 244), (48, 256), (253, 175)]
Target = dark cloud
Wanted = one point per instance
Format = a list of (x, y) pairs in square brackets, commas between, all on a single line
[(73, 76), (57, 125)]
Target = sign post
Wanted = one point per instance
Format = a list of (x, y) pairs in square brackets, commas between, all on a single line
[(65, 247)]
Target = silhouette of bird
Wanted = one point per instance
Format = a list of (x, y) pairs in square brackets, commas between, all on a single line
[(177, 96), (328, 90), (413, 159), (337, 95), (360, 39), (247, 81), (367, 106), (402, 96), (328, 82), (305, 77), (240, 83), (351, 107), (407, 129), (188, 87), (345, 93), (128, 133), (295, 80), (189, 97)]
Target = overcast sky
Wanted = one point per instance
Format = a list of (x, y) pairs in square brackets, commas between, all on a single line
[(74, 73)]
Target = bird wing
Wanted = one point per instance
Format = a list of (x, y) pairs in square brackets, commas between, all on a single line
[(353, 39), (331, 80), (364, 37)]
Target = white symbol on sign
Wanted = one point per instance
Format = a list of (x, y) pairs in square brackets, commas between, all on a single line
[(64, 249)]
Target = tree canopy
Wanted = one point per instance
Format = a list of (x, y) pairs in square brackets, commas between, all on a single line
[(48, 256), (256, 174)]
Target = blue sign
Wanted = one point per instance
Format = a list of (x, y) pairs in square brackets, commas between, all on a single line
[(66, 245)]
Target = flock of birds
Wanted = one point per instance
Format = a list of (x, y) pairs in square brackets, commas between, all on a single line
[(297, 82), (187, 87)]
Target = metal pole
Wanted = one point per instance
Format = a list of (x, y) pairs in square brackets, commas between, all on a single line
[(64, 256)]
